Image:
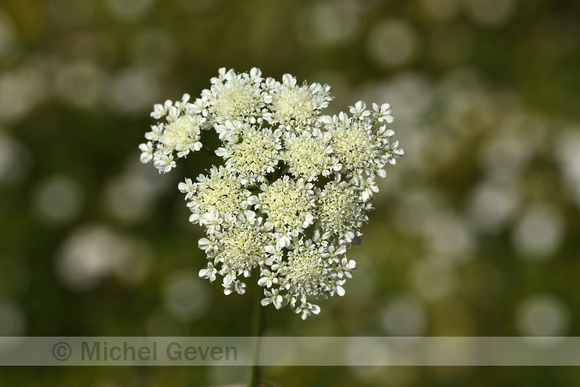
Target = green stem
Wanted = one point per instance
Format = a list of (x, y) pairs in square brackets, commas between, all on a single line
[(259, 322), (208, 151)]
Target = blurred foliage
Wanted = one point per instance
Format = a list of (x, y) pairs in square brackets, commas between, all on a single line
[(476, 231)]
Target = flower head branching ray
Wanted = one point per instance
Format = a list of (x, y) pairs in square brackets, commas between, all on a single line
[(294, 187)]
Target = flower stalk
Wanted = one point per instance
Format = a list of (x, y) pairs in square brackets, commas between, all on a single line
[(258, 327)]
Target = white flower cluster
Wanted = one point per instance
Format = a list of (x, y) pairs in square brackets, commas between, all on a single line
[(294, 187)]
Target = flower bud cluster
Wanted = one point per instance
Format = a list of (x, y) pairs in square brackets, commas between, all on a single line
[(294, 187)]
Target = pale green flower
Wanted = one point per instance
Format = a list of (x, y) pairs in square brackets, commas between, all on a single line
[(220, 191), (255, 155), (235, 96), (289, 205), (292, 190), (309, 155), (177, 137), (295, 105), (341, 210)]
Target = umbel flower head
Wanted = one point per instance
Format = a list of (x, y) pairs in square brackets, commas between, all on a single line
[(294, 187)]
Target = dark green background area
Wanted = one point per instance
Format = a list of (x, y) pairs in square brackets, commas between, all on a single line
[(476, 230)]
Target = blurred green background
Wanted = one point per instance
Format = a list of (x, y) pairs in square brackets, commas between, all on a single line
[(477, 228)]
